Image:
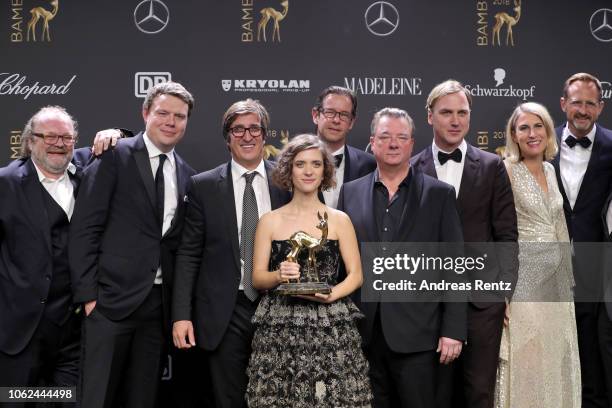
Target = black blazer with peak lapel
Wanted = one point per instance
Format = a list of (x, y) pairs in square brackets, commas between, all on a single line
[(357, 163), (430, 216), (208, 258), (115, 236), (583, 221), (26, 265), (485, 204)]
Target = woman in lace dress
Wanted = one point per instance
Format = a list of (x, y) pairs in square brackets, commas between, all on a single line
[(539, 365), (306, 349)]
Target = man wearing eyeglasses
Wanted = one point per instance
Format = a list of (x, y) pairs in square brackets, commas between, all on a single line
[(334, 114), (214, 299), (584, 176), (39, 339), (123, 237), (397, 203)]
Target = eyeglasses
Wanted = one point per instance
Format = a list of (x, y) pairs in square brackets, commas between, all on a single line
[(385, 139), (51, 140), (239, 131), (331, 114)]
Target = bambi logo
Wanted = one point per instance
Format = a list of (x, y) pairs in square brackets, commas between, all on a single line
[(46, 15), (271, 13), (502, 18)]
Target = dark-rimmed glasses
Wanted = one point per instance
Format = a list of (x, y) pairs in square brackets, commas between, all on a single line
[(51, 140), (239, 131), (331, 114)]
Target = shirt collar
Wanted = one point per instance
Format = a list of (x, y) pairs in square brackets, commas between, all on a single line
[(405, 182), (153, 151), (339, 151), (42, 178), (238, 170), (590, 135), (435, 149)]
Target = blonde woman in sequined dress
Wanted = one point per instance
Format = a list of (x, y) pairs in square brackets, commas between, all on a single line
[(539, 365)]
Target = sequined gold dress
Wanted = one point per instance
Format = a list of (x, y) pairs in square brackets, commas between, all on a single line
[(539, 365)]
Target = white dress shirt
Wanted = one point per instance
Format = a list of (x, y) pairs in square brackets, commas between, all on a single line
[(170, 187), (331, 196), (262, 195), (573, 164), (61, 189), (451, 172)]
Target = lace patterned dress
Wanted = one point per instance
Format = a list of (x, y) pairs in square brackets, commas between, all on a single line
[(539, 365), (305, 353)]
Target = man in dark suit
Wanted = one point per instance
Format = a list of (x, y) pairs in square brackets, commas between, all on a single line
[(398, 203), (39, 340), (214, 298), (123, 237), (334, 114), (486, 208), (584, 175)]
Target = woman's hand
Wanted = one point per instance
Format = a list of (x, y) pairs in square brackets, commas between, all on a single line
[(288, 271), (320, 297)]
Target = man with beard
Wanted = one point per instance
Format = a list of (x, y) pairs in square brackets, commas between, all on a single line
[(334, 115), (39, 340), (584, 174)]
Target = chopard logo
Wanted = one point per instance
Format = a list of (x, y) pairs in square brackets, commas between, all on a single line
[(12, 84)]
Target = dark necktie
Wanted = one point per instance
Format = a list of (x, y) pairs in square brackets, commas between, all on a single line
[(338, 159), (571, 141), (454, 156), (160, 190), (250, 216)]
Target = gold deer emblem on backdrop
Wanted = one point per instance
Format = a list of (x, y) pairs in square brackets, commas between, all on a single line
[(502, 18), (46, 15), (301, 240), (271, 13), (273, 151)]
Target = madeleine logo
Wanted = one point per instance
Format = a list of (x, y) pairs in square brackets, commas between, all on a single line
[(504, 21), (267, 16), (385, 86), (145, 80), (40, 17)]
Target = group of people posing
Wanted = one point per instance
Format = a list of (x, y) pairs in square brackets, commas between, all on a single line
[(108, 255)]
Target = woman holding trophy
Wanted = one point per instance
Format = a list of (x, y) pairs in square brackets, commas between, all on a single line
[(306, 347)]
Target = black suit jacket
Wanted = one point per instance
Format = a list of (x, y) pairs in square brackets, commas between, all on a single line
[(26, 258), (357, 163), (115, 236), (208, 259), (430, 216), (486, 207)]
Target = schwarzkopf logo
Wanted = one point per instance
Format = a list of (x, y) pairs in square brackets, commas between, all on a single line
[(600, 24), (266, 85), (499, 75), (384, 86), (145, 80), (12, 84), (381, 18), (151, 16)]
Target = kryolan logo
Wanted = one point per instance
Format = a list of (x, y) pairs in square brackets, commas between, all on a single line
[(266, 85)]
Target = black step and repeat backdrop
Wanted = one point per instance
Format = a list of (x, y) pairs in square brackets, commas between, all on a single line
[(97, 58)]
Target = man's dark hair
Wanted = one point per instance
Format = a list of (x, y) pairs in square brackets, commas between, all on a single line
[(337, 90)]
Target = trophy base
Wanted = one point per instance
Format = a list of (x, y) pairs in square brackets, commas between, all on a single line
[(303, 288)]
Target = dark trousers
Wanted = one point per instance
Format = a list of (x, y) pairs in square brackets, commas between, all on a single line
[(121, 360), (50, 359), (229, 361), (405, 380), (595, 346), (470, 380)]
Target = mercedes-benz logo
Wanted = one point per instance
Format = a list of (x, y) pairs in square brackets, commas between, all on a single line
[(381, 18), (151, 16), (600, 25)]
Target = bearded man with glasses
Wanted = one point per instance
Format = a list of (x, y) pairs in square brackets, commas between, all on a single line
[(334, 114)]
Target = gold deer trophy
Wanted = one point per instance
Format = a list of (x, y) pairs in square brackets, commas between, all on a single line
[(502, 18), (271, 13), (309, 282), (46, 15)]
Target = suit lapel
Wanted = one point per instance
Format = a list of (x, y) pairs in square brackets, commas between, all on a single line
[(225, 186), (410, 206), (181, 187), (348, 158), (588, 174), (427, 165), (470, 173), (34, 199), (366, 211), (141, 156)]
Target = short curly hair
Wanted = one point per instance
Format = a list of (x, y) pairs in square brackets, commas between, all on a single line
[(284, 166)]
